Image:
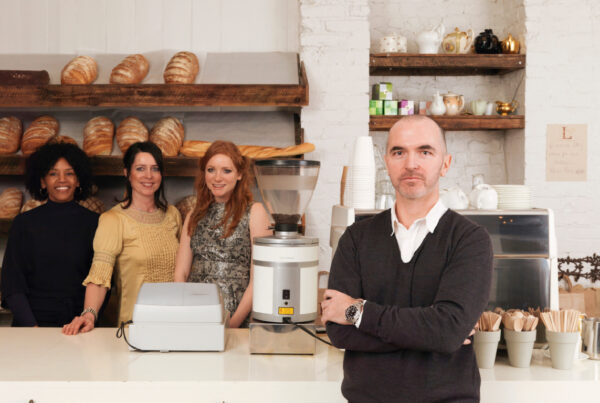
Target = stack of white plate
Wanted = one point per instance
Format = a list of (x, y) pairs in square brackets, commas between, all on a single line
[(513, 197)]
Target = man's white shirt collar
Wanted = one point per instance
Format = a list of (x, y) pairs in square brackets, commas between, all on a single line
[(431, 219)]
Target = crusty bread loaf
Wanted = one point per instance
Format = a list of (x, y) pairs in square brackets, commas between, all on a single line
[(132, 70), (98, 136), (94, 204), (31, 204), (182, 68), (11, 130), (168, 134), (195, 148), (81, 70), (186, 205), (130, 130), (10, 202), (38, 133)]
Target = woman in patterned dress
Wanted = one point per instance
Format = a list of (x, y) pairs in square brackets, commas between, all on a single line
[(216, 241)]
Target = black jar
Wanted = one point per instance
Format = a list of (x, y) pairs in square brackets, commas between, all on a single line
[(487, 42)]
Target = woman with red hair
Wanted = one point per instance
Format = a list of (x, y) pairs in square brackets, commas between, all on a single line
[(216, 241)]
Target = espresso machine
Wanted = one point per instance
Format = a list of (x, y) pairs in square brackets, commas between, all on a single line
[(286, 263)]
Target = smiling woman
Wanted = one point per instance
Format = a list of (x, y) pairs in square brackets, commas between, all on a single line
[(137, 240), (216, 242), (49, 250)]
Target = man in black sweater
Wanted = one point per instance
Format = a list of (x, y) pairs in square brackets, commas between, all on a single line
[(408, 285)]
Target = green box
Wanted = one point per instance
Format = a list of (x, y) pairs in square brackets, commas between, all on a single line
[(390, 107), (375, 107), (382, 91)]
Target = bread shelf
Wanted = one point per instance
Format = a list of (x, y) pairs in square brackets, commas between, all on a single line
[(410, 64), (457, 123), (157, 95)]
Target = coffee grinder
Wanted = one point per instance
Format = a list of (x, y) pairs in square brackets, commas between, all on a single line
[(286, 263)]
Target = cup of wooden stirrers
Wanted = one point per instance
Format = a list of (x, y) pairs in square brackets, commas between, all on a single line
[(520, 334), (562, 333), (486, 338)]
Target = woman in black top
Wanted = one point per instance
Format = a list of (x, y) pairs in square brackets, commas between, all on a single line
[(49, 249)]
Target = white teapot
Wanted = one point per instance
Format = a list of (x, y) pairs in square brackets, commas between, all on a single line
[(429, 41), (454, 198), (484, 197), (437, 106)]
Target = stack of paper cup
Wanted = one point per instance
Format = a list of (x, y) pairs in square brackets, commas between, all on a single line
[(363, 174)]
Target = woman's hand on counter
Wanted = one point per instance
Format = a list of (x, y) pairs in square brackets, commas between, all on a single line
[(80, 324)]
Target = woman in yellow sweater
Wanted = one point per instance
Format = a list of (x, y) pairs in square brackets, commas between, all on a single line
[(137, 239)]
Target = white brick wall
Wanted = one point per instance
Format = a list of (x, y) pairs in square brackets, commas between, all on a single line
[(334, 39), (563, 41)]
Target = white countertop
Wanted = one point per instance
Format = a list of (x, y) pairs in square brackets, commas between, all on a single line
[(46, 366)]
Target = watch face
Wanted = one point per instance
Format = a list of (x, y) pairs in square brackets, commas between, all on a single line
[(351, 313)]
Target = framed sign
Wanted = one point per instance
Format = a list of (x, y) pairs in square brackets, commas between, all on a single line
[(566, 153)]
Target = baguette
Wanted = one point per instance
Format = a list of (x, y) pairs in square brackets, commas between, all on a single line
[(196, 148), (11, 130)]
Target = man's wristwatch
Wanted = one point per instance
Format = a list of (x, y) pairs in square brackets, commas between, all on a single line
[(92, 311), (354, 311)]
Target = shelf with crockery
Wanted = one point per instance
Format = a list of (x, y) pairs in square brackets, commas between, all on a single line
[(456, 123), (410, 64)]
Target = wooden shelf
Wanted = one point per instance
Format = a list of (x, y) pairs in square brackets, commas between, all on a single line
[(409, 64), (110, 165), (156, 95), (457, 123)]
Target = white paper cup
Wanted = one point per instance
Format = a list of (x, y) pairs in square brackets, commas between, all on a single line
[(562, 348), (485, 345), (520, 347), (363, 155)]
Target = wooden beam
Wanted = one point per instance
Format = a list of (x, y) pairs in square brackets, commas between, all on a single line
[(457, 123)]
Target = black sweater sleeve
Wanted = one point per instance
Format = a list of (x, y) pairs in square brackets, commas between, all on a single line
[(461, 297), (345, 277)]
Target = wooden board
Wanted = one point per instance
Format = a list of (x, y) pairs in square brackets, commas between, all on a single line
[(153, 95), (24, 77), (441, 64), (457, 123)]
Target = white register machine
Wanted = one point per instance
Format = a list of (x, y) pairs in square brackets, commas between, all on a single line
[(178, 317)]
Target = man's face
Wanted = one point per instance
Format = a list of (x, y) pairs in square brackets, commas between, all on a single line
[(416, 159)]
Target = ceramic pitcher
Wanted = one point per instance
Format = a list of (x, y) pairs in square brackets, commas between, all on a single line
[(429, 41), (454, 103), (437, 106)]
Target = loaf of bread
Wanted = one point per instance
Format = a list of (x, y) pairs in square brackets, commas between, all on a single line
[(31, 204), (11, 130), (168, 134), (130, 130), (98, 136), (10, 202), (195, 148), (132, 70), (81, 70), (182, 69), (38, 133), (94, 204), (186, 205)]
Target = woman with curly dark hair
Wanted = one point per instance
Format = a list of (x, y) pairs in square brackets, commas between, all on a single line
[(216, 241), (49, 249)]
